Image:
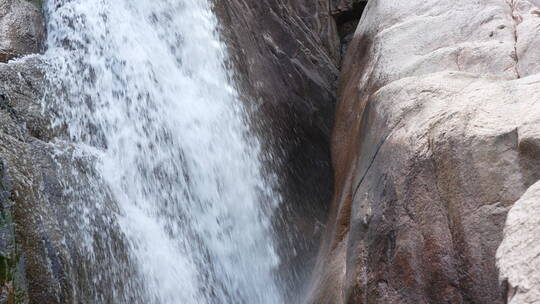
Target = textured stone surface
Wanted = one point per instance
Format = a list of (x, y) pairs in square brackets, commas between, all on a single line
[(33, 176), (32, 190), (518, 257), (344, 6), (286, 56), (319, 23), (433, 143), (45, 178), (526, 14), (21, 29)]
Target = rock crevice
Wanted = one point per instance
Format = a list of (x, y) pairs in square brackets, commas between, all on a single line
[(511, 3)]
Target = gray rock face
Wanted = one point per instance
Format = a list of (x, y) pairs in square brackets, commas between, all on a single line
[(35, 189), (518, 257), (319, 22), (35, 268), (21, 29), (433, 143)]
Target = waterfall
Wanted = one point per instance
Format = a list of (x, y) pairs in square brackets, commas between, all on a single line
[(169, 200)]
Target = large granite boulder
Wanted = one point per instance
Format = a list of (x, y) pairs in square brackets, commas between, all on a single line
[(22, 30), (436, 137)]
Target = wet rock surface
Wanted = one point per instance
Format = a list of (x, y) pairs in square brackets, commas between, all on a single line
[(44, 177), (22, 28), (435, 139), (32, 172), (286, 56), (34, 264)]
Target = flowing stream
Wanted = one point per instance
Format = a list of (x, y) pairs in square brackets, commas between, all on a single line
[(170, 202)]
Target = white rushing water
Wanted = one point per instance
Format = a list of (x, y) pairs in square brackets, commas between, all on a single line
[(175, 207)]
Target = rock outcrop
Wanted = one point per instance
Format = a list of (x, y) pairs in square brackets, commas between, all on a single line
[(18, 150), (35, 181), (22, 30), (32, 266), (436, 137), (518, 257)]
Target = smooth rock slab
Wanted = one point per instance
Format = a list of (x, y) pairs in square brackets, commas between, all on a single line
[(435, 139), (518, 257)]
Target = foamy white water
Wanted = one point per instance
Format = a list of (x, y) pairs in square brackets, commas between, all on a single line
[(175, 207)]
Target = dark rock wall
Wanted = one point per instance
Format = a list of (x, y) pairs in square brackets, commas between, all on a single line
[(286, 54), (285, 57), (431, 146), (346, 14)]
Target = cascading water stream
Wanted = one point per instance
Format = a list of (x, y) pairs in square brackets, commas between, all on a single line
[(174, 206)]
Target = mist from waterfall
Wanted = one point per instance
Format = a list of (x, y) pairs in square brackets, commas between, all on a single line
[(170, 201)]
